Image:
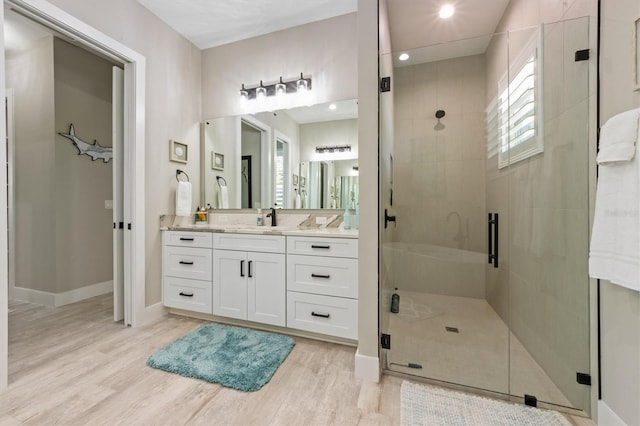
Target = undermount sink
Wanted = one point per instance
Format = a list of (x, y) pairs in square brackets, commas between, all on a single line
[(237, 227)]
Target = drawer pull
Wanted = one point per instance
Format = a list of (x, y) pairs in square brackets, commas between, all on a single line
[(318, 314), (182, 293), (186, 239), (320, 276), (250, 274), (184, 262), (327, 247)]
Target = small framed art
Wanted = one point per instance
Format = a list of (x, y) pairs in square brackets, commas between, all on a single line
[(178, 151), (217, 161)]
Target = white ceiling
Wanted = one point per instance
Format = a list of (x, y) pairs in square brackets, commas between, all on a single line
[(21, 32), (209, 23)]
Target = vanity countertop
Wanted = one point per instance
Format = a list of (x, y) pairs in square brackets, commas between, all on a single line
[(289, 227)]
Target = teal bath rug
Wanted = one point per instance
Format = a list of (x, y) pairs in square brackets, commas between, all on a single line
[(236, 357)]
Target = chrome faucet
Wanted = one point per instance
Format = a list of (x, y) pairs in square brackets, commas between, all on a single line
[(272, 215)]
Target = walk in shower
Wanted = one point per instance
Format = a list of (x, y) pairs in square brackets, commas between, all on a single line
[(484, 162)]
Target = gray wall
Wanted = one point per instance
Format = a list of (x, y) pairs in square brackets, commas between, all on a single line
[(83, 229), (327, 133), (62, 230), (620, 307), (30, 75)]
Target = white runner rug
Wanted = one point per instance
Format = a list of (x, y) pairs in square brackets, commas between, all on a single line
[(429, 405)]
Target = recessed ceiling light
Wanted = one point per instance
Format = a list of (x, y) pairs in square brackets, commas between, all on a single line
[(403, 56), (446, 11), (332, 107)]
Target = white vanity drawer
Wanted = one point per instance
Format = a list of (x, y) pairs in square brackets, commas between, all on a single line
[(323, 314), (321, 275), (191, 295), (188, 239), (249, 242), (187, 262), (317, 246)]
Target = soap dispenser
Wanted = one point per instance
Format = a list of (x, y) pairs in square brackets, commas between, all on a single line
[(346, 218), (395, 302), (259, 220)]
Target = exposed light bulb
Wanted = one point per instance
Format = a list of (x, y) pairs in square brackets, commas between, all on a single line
[(281, 88), (446, 11), (301, 84), (244, 97), (403, 56), (261, 92)]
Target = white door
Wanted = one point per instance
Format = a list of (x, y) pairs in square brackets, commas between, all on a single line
[(230, 270), (266, 288), (118, 192)]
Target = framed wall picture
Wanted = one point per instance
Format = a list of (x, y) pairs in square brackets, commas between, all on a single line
[(636, 54), (295, 179), (217, 161), (178, 151)]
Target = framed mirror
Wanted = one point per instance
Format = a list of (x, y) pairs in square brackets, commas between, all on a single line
[(305, 157)]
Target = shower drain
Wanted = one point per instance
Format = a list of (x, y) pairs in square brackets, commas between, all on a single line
[(452, 329)]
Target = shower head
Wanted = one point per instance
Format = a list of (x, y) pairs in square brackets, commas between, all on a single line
[(440, 113)]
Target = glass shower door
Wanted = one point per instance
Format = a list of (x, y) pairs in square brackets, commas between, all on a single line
[(484, 167)]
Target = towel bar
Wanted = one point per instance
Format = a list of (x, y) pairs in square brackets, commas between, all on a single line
[(178, 172)]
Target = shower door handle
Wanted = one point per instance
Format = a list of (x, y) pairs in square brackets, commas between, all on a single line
[(492, 238), (388, 219)]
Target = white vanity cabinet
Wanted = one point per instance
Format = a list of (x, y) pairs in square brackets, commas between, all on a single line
[(322, 285), (186, 270), (249, 281)]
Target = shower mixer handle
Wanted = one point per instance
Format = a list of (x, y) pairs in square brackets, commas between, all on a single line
[(388, 219)]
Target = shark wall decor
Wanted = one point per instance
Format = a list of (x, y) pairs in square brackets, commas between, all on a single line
[(93, 150)]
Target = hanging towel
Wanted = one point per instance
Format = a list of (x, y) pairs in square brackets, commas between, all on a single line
[(297, 202), (183, 199), (223, 198), (618, 138), (615, 238)]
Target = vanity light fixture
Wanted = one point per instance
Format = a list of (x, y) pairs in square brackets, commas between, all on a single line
[(333, 148), (446, 11), (279, 88), (403, 56), (244, 96)]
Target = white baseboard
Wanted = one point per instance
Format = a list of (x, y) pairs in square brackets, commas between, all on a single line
[(61, 299), (83, 293), (152, 313), (32, 296), (607, 417), (367, 367)]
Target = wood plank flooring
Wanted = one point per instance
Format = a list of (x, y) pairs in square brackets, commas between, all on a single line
[(74, 366)]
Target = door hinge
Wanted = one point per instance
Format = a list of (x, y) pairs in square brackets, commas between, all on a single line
[(582, 55), (120, 225), (114, 225), (128, 226), (385, 341), (530, 400), (385, 84), (583, 378)]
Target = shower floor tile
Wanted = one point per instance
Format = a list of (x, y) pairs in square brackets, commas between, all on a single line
[(476, 356)]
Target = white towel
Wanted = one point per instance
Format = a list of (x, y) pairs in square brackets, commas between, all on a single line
[(618, 138), (183, 199), (615, 238), (297, 202), (223, 198)]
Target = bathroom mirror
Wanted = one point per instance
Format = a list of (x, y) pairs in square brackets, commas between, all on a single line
[(305, 157)]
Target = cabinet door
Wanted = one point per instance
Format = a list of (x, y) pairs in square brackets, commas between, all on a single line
[(230, 269), (267, 288)]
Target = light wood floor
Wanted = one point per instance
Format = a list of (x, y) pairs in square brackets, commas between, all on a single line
[(74, 365)]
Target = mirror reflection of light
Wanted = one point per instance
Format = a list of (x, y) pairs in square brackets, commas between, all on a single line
[(332, 107), (446, 11)]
